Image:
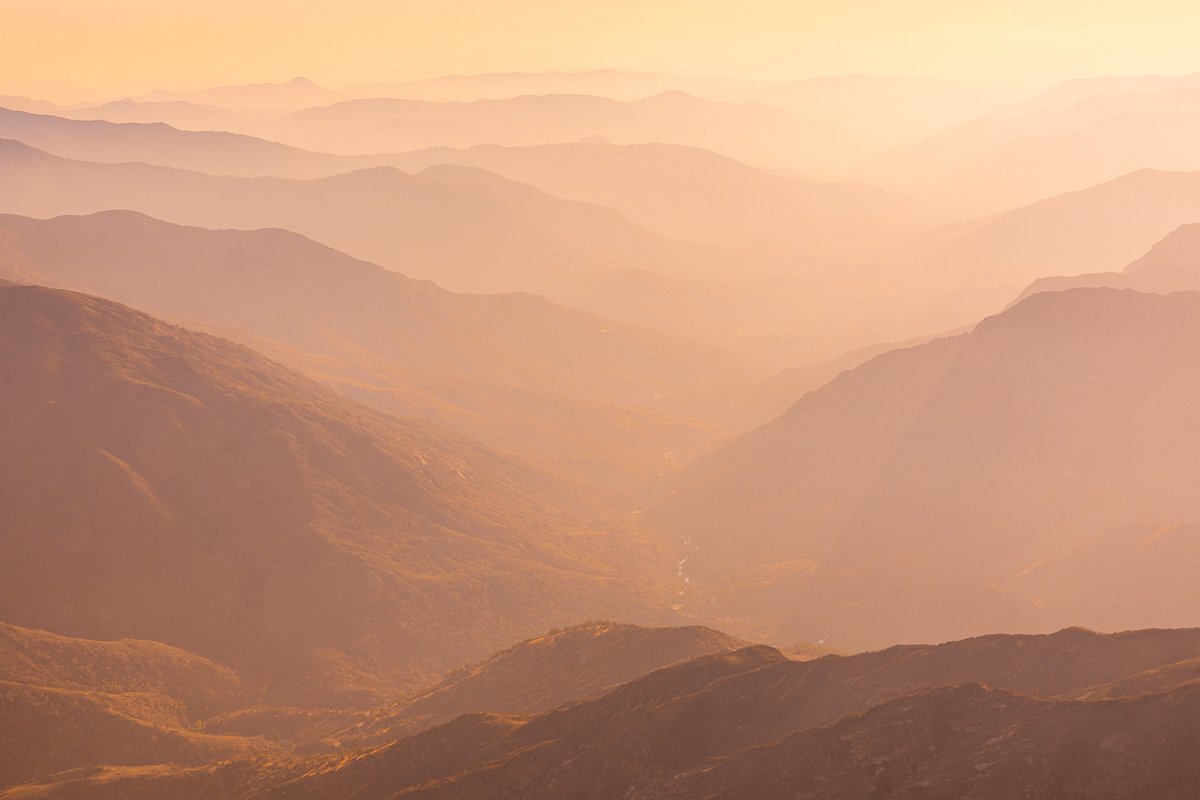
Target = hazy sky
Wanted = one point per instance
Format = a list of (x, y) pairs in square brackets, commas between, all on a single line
[(99, 42)]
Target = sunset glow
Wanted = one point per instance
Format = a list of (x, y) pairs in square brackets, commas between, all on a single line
[(138, 43), (561, 400)]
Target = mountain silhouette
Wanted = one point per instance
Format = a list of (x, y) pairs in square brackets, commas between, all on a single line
[(464, 235), (757, 134), (597, 397)]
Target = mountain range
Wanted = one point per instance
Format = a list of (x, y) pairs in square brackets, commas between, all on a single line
[(595, 396), (599, 434), (443, 225), (135, 702), (917, 495), (1172, 265), (760, 135), (1066, 715)]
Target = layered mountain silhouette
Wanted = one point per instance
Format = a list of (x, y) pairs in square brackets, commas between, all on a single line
[(757, 134), (770, 279), (763, 283), (615, 84), (599, 434), (882, 108), (1002, 160), (905, 498), (524, 373), (164, 484), (1172, 265), (295, 93), (301, 92), (697, 195), (179, 114), (152, 142), (1061, 716), (1099, 229), (455, 230), (1071, 91)]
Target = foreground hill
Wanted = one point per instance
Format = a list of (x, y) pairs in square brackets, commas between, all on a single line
[(527, 374), (905, 722), (75, 702), (71, 703), (127, 666), (163, 484), (905, 498), (972, 741), (541, 674)]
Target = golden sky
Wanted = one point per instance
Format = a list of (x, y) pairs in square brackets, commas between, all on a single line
[(158, 42)]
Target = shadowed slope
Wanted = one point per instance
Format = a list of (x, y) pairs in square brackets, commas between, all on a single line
[(73, 703), (902, 499), (164, 484), (540, 674)]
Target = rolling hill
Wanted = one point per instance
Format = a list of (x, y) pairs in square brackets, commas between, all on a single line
[(75, 703), (70, 703), (907, 722), (538, 675)]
